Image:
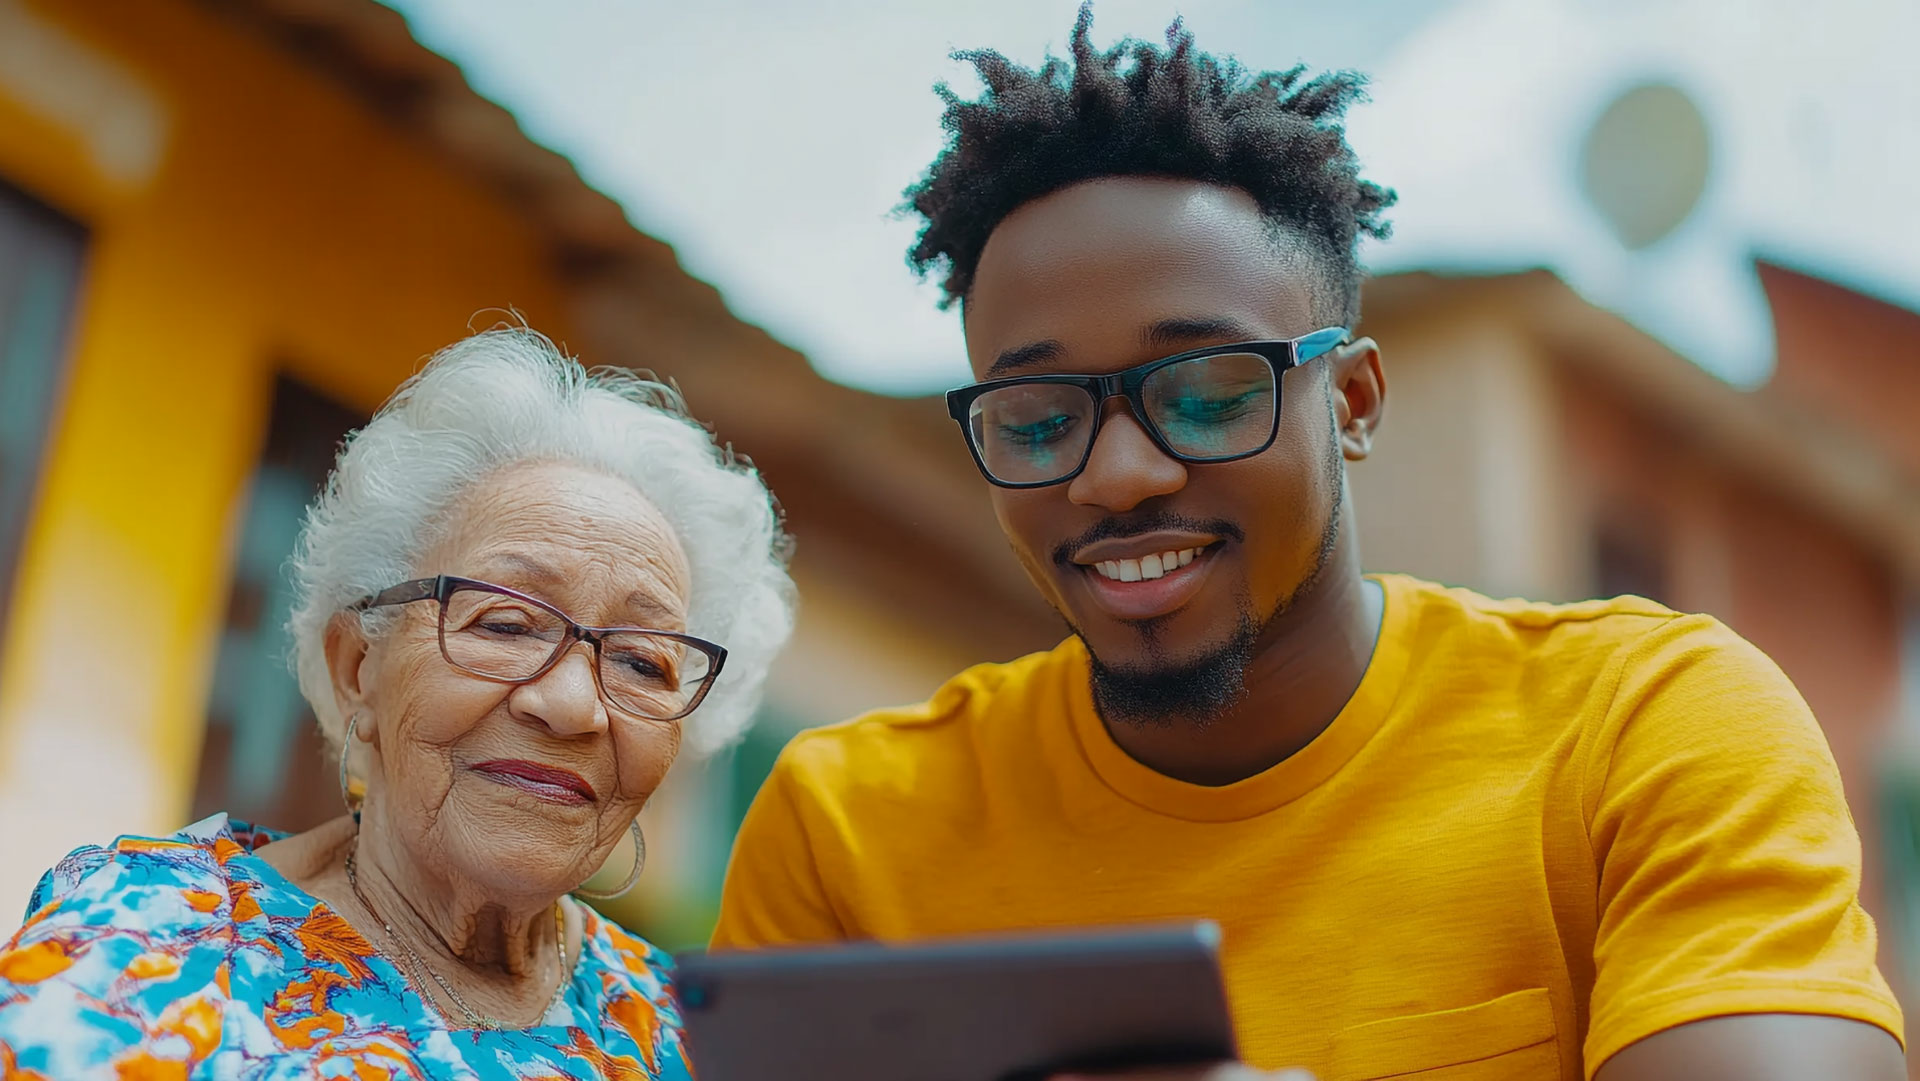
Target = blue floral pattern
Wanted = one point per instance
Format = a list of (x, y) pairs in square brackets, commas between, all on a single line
[(189, 958)]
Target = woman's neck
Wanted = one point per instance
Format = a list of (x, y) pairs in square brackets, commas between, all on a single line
[(443, 919), (500, 959)]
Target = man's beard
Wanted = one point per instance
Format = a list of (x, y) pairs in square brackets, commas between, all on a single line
[(1197, 692), (1201, 690)]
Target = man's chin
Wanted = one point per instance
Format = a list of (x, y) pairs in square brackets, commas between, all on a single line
[(1147, 657), (1176, 639), (1149, 681)]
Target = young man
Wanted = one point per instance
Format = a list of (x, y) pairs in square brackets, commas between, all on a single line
[(1487, 839)]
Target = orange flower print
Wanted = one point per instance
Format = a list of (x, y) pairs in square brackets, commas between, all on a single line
[(203, 900), (300, 1015), (10, 1067), (610, 1066), (152, 966), (244, 906), (34, 963), (141, 1065), (187, 958), (372, 1062), (154, 846), (326, 935), (638, 1017), (197, 1020)]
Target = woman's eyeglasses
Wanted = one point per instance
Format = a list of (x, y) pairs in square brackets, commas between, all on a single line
[(1216, 404), (506, 636)]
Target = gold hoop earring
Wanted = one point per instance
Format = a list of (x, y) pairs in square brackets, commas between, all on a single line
[(346, 786), (639, 861)]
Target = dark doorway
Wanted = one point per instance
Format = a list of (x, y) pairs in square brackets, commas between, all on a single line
[(263, 760), (40, 261)]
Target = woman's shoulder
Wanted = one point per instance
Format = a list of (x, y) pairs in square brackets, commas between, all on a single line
[(123, 941), (633, 959), (137, 908), (153, 884), (636, 987)]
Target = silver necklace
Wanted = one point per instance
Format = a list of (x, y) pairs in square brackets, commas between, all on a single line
[(415, 964)]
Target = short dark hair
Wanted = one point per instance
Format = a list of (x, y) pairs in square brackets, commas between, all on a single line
[(1139, 109)]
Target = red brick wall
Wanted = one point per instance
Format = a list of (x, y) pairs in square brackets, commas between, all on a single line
[(1849, 356)]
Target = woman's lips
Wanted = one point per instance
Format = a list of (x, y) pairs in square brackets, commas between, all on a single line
[(548, 782)]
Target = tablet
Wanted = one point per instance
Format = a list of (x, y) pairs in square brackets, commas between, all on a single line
[(1008, 1008)]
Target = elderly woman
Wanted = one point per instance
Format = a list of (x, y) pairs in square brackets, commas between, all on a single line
[(524, 588)]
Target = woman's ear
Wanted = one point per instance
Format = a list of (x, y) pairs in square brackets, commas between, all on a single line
[(346, 646)]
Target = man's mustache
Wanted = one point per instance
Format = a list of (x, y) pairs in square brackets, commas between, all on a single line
[(1121, 526)]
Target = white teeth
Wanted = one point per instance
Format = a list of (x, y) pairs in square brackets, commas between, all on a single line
[(1146, 567)]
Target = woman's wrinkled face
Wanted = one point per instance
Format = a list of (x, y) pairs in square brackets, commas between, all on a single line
[(525, 787)]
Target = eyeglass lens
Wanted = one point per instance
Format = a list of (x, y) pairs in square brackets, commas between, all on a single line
[(1206, 408)]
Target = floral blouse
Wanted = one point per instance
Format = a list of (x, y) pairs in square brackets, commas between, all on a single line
[(188, 957)]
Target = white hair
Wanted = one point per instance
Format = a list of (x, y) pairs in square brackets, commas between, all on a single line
[(507, 396)]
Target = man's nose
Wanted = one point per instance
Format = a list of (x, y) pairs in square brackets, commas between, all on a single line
[(1126, 467)]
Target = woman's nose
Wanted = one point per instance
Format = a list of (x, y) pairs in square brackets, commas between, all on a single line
[(567, 697)]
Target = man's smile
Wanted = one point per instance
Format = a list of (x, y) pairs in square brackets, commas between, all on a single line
[(1153, 583)]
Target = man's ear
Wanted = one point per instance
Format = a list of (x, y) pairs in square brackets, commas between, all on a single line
[(347, 649), (1359, 395)]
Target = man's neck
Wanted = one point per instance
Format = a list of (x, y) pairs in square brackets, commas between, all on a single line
[(1310, 662)]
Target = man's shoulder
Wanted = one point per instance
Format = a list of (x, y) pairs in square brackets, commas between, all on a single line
[(1593, 663), (1452, 618), (948, 729)]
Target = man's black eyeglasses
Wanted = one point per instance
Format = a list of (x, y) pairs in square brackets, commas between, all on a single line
[(1216, 404)]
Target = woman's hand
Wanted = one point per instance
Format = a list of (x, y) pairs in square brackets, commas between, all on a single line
[(1230, 1072)]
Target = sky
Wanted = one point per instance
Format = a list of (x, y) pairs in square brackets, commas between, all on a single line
[(1812, 117), (769, 141)]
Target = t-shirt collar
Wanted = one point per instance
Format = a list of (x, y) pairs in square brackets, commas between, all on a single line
[(1286, 781)]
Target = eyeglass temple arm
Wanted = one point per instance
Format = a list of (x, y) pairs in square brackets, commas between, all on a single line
[(1319, 343), (405, 593)]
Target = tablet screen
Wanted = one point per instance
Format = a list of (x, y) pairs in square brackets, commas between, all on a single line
[(964, 1009)]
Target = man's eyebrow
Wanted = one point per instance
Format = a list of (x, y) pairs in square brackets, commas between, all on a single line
[(1025, 356), (1196, 330), (1165, 334)]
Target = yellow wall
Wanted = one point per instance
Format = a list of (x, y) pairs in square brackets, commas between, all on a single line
[(247, 214)]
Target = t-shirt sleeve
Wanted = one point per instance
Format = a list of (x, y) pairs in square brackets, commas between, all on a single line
[(774, 894), (1728, 863)]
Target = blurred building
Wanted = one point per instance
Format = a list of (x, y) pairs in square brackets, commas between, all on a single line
[(1536, 445), (228, 229)]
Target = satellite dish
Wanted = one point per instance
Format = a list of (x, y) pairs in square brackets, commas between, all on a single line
[(1644, 163)]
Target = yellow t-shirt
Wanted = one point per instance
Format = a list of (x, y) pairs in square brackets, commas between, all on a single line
[(1535, 835)]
